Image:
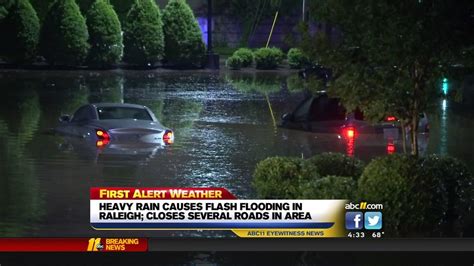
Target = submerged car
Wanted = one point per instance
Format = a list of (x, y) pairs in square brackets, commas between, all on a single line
[(324, 114), (115, 124)]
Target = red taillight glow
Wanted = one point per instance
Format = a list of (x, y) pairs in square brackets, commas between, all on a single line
[(168, 137), (391, 118), (102, 143), (390, 147), (102, 134), (349, 132)]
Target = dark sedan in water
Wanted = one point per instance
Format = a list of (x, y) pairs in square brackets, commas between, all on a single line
[(115, 124), (323, 114)]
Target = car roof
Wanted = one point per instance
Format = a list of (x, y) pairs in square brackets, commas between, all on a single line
[(129, 105)]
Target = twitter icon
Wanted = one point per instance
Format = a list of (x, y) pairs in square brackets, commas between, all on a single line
[(373, 220)]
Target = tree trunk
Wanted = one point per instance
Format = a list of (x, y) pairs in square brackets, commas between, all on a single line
[(414, 134)]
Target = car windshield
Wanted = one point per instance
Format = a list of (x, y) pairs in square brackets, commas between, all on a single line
[(123, 113)]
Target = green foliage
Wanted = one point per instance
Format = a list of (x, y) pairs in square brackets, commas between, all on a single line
[(280, 177), (337, 164), (105, 35), (234, 62), (329, 187), (390, 180), (143, 34), (435, 194), (392, 53), (20, 30), (64, 35), (457, 189), (246, 55), (296, 58), (268, 58), (184, 47)]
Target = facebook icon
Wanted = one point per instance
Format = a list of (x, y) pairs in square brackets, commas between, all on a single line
[(354, 220)]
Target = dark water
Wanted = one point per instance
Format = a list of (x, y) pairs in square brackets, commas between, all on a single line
[(224, 125)]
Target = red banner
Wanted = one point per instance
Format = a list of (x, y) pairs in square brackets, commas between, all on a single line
[(73, 244), (121, 193)]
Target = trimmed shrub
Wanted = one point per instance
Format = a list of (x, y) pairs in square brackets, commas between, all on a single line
[(296, 58), (143, 34), (20, 30), (184, 47), (234, 62), (64, 35), (105, 36), (415, 200), (337, 164), (268, 58), (458, 184), (329, 187), (246, 55), (280, 177)]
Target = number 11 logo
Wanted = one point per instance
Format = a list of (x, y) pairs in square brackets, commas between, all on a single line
[(94, 244)]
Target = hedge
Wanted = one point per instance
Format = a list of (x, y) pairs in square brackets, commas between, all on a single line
[(268, 58), (246, 55), (329, 187), (64, 34), (184, 47), (143, 34), (337, 164), (296, 58), (234, 62), (280, 177), (21, 30)]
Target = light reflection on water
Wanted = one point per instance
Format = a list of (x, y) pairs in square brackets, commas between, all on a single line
[(223, 127)]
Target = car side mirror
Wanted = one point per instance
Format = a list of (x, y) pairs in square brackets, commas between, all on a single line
[(64, 119), (287, 117)]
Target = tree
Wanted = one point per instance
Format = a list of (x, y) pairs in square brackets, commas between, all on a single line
[(393, 53), (105, 36), (20, 30), (143, 34), (183, 38), (64, 35), (4, 7)]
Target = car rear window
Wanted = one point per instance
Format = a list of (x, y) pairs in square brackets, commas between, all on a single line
[(123, 113), (325, 108)]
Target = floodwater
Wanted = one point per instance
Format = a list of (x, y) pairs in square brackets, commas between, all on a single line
[(224, 124)]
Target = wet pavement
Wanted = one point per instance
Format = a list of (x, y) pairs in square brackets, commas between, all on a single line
[(224, 124)]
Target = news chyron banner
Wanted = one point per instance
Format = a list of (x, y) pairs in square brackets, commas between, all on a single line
[(124, 208)]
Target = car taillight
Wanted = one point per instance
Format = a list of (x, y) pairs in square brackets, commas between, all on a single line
[(391, 119), (168, 137), (103, 138), (349, 132), (390, 148)]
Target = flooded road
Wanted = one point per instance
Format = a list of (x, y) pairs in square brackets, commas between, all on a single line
[(224, 124)]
